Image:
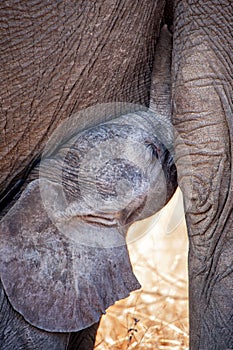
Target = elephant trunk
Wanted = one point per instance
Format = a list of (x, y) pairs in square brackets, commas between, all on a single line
[(160, 92)]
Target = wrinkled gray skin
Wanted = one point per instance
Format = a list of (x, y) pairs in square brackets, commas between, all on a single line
[(203, 117), (62, 57)]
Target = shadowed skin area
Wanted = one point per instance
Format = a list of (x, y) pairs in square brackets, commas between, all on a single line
[(32, 338), (70, 257)]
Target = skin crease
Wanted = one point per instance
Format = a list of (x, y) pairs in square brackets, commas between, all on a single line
[(202, 116)]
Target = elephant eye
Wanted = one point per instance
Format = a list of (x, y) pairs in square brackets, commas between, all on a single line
[(154, 150)]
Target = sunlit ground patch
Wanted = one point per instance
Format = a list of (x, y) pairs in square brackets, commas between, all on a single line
[(156, 316)]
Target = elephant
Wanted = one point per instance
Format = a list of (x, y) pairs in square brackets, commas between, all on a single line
[(59, 59)]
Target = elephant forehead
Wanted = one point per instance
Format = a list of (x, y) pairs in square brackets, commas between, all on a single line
[(94, 145), (120, 168), (107, 132), (106, 159), (118, 176), (109, 183)]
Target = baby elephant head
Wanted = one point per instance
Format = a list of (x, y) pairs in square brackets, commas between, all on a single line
[(110, 176), (63, 257)]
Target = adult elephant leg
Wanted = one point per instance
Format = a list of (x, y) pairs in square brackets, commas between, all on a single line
[(202, 97)]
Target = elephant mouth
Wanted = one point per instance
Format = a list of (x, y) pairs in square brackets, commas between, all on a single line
[(117, 219)]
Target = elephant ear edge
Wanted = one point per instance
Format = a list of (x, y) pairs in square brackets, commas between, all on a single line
[(55, 283)]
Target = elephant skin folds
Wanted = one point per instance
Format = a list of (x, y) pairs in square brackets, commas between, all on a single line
[(62, 57), (203, 114)]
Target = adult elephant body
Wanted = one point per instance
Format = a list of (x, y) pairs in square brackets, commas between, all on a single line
[(59, 58)]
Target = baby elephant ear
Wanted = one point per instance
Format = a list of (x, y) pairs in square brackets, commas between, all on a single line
[(51, 275)]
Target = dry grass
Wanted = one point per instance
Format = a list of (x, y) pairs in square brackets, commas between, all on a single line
[(156, 316)]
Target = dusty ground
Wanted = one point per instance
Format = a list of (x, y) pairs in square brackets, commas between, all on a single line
[(156, 316)]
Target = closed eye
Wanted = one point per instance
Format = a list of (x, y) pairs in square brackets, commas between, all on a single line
[(153, 149)]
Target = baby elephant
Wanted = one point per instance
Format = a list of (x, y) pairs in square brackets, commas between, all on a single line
[(63, 254)]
